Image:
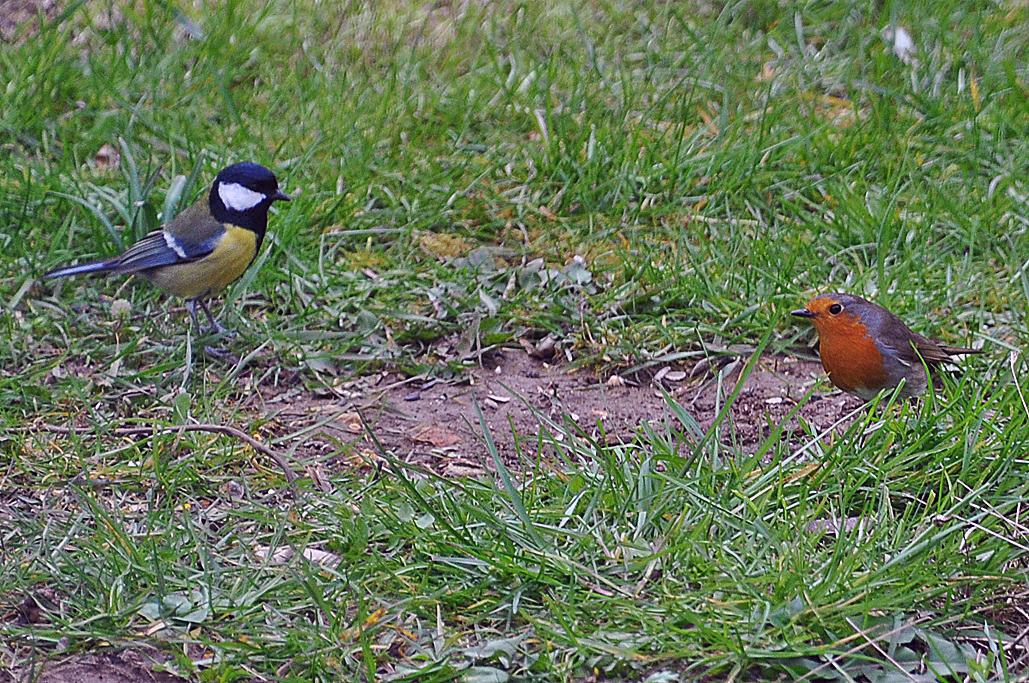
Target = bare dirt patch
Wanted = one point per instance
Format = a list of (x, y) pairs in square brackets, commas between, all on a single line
[(126, 666), (24, 15), (526, 403)]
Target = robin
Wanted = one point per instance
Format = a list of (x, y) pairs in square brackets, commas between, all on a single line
[(865, 348)]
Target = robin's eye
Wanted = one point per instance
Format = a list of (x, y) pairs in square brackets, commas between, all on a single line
[(835, 309)]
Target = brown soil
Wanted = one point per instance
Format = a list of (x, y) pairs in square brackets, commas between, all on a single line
[(126, 666), (15, 14), (434, 424)]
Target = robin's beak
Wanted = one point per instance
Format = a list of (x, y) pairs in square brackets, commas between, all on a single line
[(802, 313), (281, 196)]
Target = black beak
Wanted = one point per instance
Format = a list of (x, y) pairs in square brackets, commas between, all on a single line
[(802, 313), (281, 196)]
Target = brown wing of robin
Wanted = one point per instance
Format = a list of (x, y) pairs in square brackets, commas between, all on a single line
[(936, 355), (935, 352), (904, 342)]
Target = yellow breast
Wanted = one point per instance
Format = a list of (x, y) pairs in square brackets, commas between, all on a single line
[(212, 273)]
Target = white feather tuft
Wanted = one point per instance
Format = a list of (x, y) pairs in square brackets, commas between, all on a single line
[(169, 239)]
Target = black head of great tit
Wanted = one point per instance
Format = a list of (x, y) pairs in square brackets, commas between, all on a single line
[(207, 247)]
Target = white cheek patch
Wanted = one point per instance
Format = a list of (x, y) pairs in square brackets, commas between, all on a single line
[(237, 197)]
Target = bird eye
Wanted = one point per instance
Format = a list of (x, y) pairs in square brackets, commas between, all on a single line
[(835, 309)]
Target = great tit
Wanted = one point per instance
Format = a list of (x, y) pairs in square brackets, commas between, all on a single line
[(207, 247)]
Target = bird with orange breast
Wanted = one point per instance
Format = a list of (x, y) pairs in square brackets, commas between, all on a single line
[(864, 348)]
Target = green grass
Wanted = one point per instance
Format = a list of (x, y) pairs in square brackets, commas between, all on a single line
[(713, 165)]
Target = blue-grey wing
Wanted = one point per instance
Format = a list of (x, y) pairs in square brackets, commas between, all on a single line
[(191, 236)]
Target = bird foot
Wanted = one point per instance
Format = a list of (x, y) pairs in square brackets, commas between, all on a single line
[(213, 327), (217, 329), (222, 355)]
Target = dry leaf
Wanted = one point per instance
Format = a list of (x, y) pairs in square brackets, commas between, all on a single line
[(321, 557), (542, 350), (457, 470), (280, 555), (30, 612), (803, 472), (442, 246), (434, 435), (153, 628), (284, 554), (351, 422), (318, 476), (106, 158)]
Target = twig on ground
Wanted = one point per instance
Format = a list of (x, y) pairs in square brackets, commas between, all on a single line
[(147, 432)]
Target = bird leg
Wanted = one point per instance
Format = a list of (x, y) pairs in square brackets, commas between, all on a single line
[(215, 327), (191, 306)]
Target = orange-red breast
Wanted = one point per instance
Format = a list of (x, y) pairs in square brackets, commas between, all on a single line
[(865, 348)]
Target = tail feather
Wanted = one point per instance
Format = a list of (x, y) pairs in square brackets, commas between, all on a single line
[(80, 269), (935, 352), (958, 350)]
